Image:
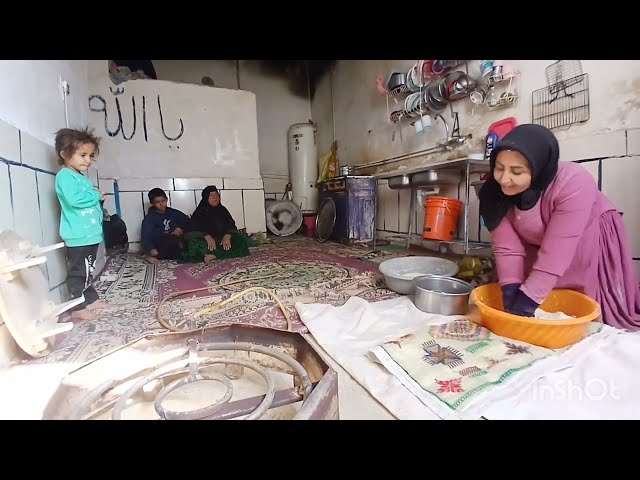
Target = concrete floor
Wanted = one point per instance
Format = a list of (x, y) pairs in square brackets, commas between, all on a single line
[(38, 381), (355, 402)]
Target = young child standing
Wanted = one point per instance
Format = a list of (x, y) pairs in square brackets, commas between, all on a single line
[(81, 216)]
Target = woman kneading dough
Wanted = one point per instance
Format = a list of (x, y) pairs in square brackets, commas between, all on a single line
[(552, 228)]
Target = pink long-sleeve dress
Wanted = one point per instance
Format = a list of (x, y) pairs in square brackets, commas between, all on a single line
[(573, 238)]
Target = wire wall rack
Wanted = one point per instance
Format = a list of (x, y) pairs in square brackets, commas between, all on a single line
[(562, 104)]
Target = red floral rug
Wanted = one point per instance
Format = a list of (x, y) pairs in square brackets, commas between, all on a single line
[(295, 272), (299, 270)]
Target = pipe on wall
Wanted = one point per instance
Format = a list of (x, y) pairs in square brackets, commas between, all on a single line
[(398, 158)]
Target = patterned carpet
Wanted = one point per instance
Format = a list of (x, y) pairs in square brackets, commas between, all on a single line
[(303, 271)]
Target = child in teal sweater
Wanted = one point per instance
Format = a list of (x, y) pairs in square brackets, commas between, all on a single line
[(81, 216)]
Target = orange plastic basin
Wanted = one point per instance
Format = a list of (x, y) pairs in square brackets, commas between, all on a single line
[(544, 333)]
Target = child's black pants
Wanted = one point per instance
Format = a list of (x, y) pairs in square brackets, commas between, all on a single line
[(80, 266)]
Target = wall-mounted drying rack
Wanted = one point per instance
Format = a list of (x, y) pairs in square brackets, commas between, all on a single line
[(415, 84), (498, 90)]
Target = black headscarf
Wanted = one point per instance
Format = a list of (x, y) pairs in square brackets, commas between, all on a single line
[(540, 147), (215, 221)]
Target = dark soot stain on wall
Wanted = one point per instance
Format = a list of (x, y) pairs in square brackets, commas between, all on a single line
[(302, 76)]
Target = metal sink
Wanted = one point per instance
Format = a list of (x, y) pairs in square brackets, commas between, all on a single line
[(429, 178), (434, 178), (401, 181)]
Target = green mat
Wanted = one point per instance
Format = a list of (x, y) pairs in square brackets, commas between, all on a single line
[(197, 248)]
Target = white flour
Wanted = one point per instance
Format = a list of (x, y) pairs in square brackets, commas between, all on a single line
[(542, 315), (412, 275)]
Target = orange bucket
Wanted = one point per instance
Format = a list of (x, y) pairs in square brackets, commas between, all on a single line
[(544, 333), (441, 218)]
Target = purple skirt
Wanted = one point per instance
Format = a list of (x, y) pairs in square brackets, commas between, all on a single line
[(619, 291)]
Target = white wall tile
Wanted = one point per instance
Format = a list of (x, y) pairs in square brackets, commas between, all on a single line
[(620, 184), (26, 212), (474, 210), (38, 154), (106, 185), (404, 209), (382, 184), (389, 202), (54, 296), (275, 185), (196, 183), (9, 142), (243, 183), (232, 199), (146, 204), (132, 213), (110, 204), (59, 295), (49, 208), (612, 144), (633, 141), (141, 184), (6, 218), (592, 168), (419, 222), (135, 247), (92, 173), (57, 266), (44, 269), (185, 201), (254, 214)]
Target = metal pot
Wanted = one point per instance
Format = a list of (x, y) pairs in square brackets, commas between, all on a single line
[(441, 295), (396, 81)]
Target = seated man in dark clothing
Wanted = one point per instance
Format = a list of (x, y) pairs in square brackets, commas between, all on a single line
[(211, 232), (162, 229)]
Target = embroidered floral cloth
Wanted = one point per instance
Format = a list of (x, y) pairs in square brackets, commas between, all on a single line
[(458, 360)]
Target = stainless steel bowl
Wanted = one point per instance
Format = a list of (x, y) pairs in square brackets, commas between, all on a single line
[(399, 273), (441, 295)]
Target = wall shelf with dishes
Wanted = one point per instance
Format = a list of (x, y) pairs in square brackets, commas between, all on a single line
[(498, 87), (430, 86)]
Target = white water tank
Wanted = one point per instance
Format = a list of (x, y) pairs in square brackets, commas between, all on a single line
[(303, 165)]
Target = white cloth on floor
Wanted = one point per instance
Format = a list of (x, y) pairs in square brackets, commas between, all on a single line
[(349, 332), (594, 379), (604, 385)]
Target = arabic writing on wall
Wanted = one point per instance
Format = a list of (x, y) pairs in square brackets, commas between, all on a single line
[(97, 103)]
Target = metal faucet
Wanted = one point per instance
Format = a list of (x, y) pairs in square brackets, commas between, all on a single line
[(450, 140), (445, 126)]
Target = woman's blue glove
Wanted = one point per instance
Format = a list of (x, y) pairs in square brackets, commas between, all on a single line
[(509, 293), (523, 305)]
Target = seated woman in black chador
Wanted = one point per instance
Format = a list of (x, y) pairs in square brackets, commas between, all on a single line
[(211, 232)]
